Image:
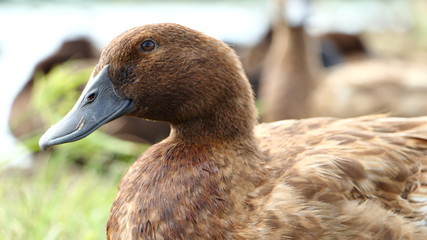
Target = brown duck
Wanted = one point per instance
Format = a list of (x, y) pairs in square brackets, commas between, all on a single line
[(295, 85), (219, 175)]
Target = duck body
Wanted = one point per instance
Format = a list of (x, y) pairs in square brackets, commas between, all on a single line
[(324, 182), (219, 175)]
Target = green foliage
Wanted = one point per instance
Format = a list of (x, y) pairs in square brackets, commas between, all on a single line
[(55, 93), (56, 201)]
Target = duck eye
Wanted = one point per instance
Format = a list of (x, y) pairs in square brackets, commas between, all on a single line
[(91, 97), (148, 45)]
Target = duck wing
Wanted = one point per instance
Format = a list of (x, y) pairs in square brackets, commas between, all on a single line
[(365, 159)]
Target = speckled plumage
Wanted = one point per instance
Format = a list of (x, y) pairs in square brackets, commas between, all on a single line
[(221, 176)]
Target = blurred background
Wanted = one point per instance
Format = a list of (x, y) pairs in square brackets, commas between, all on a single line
[(348, 58)]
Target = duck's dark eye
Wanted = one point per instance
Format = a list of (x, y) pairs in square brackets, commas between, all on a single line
[(91, 97), (148, 45)]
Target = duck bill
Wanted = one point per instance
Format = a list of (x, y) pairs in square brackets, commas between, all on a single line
[(97, 105)]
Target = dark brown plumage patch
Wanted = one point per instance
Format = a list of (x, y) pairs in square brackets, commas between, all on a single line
[(389, 187), (266, 189), (404, 173), (351, 168), (330, 197), (273, 222)]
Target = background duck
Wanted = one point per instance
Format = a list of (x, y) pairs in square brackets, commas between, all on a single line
[(220, 176), (335, 48), (295, 85)]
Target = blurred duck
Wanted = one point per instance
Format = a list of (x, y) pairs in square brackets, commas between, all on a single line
[(219, 175), (334, 48), (288, 78), (294, 84)]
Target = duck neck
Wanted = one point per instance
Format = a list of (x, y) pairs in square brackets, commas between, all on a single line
[(225, 148), (217, 127), (231, 118), (194, 184)]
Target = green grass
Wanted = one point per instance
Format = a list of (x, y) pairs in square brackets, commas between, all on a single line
[(57, 201), (68, 192)]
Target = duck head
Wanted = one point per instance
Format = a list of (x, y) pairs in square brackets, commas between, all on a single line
[(162, 72)]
